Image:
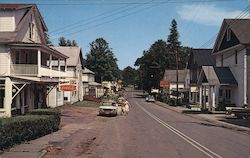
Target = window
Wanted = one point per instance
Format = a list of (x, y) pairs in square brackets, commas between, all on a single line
[(236, 57), (2, 93), (221, 60), (31, 31), (228, 34)]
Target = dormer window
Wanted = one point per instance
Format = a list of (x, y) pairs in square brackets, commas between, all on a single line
[(31, 29), (229, 34)]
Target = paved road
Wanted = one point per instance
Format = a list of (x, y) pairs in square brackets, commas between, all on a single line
[(150, 131)]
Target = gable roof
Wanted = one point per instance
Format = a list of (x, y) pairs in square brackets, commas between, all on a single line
[(6, 37), (170, 75), (74, 54), (240, 27), (217, 76), (201, 57)]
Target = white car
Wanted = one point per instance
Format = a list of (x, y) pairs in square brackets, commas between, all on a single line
[(108, 108)]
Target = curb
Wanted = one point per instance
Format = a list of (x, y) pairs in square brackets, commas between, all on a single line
[(216, 122)]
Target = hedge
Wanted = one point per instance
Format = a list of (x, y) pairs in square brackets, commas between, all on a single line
[(18, 129)]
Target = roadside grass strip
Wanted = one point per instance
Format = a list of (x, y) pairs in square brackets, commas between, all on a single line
[(194, 143)]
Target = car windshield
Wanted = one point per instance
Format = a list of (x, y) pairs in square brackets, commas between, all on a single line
[(108, 104)]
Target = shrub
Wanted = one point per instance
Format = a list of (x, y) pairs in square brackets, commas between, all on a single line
[(24, 128)]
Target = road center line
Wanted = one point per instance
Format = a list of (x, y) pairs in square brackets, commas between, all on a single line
[(194, 143)]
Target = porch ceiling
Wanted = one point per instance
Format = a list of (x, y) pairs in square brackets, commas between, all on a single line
[(37, 46)]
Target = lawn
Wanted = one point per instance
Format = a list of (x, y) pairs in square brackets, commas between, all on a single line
[(86, 103)]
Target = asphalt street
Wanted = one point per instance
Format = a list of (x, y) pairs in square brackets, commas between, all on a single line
[(150, 131)]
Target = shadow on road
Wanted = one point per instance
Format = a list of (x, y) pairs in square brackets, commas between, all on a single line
[(238, 122)]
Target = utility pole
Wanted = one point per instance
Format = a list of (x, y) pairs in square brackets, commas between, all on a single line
[(177, 79)]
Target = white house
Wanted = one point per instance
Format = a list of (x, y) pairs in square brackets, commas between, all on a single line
[(27, 79), (72, 85), (229, 81), (197, 59), (90, 87)]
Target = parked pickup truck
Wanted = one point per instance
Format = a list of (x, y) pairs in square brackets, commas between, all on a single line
[(239, 112)]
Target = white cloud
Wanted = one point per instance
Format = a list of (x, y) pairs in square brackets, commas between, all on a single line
[(207, 14)]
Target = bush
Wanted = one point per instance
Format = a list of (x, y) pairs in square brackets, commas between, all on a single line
[(24, 128)]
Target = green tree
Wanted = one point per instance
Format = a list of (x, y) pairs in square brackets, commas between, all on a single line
[(129, 76), (47, 39), (74, 43), (68, 43), (159, 57), (102, 61), (62, 41), (174, 46)]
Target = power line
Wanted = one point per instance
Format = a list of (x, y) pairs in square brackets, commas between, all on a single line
[(243, 14)]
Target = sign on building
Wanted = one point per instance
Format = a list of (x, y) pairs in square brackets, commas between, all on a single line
[(67, 85)]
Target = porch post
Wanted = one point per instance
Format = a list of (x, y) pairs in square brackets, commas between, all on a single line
[(59, 64), (209, 98), (65, 60), (39, 62), (50, 65), (204, 98), (8, 97), (200, 97), (213, 97)]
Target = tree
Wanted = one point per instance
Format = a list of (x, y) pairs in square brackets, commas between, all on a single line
[(62, 41), (153, 64), (68, 43), (174, 45), (74, 43), (129, 76), (102, 61), (159, 57), (47, 39)]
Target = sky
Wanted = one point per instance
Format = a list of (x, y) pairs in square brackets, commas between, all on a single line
[(132, 26)]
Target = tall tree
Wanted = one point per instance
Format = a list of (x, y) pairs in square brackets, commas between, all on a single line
[(62, 41), (159, 57), (74, 43), (129, 75), (68, 43), (102, 61)]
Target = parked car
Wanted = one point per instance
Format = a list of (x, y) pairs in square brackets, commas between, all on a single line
[(150, 98), (109, 108)]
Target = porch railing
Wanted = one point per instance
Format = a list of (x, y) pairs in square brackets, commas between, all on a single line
[(24, 69)]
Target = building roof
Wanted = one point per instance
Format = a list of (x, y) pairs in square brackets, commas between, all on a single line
[(201, 57), (74, 53), (217, 76), (241, 28), (225, 75), (6, 37), (170, 75), (87, 71)]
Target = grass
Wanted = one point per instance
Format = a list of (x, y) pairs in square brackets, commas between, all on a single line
[(86, 103)]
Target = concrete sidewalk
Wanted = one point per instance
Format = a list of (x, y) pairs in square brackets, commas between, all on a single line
[(218, 119)]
